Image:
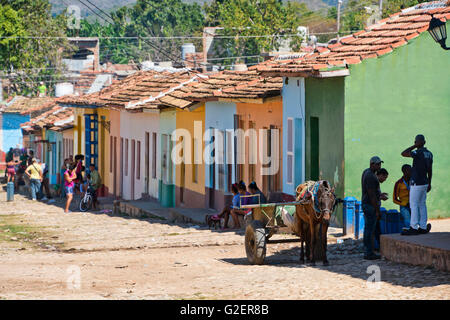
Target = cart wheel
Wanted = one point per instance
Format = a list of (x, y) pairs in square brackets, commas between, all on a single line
[(255, 242)]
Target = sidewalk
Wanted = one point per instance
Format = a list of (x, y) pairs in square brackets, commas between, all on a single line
[(153, 209)]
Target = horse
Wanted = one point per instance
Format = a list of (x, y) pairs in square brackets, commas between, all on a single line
[(318, 203)]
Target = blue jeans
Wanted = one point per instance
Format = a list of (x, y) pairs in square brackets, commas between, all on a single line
[(370, 227), (405, 212), (35, 185)]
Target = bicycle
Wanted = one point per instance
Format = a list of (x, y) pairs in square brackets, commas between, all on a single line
[(87, 200)]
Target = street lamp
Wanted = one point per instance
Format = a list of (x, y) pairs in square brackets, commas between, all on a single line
[(438, 31)]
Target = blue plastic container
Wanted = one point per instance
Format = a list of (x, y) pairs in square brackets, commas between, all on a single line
[(359, 220), (383, 224), (349, 214), (10, 191), (393, 221)]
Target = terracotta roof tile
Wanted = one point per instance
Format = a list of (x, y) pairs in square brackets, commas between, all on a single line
[(57, 118), (379, 39)]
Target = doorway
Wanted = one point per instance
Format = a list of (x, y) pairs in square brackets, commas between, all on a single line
[(314, 142), (133, 166)]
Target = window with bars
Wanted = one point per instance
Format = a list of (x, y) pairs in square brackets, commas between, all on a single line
[(111, 154), (138, 160), (126, 157), (154, 148)]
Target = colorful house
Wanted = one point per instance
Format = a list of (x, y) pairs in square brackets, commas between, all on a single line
[(132, 109), (232, 101), (12, 115), (397, 88), (47, 131)]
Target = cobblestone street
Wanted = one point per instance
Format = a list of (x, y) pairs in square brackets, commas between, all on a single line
[(118, 257)]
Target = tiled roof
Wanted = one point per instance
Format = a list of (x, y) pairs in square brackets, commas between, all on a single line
[(57, 118), (26, 105), (234, 85), (375, 41), (144, 89)]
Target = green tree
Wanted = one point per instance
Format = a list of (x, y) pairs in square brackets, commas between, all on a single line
[(393, 6), (148, 21), (245, 21), (33, 52)]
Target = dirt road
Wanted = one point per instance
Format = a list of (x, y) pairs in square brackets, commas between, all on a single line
[(46, 254)]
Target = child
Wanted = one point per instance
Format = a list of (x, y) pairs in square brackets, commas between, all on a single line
[(401, 195)]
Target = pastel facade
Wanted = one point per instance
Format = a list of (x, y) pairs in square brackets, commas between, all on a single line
[(190, 173), (394, 88), (139, 140)]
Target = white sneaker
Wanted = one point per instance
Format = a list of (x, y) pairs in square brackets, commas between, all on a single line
[(51, 201), (44, 199)]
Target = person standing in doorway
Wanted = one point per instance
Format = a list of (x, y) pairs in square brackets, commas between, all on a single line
[(421, 173), (371, 201), (34, 172), (96, 183), (401, 195)]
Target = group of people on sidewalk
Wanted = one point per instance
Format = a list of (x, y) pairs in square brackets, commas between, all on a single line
[(72, 178), (29, 170), (75, 182), (410, 193)]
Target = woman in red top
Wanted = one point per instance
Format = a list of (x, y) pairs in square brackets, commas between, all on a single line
[(69, 178)]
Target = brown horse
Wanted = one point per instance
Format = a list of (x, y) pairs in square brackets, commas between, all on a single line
[(311, 223)]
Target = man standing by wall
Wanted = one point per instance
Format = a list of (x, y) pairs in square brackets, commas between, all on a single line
[(34, 172), (421, 174), (96, 183), (371, 201)]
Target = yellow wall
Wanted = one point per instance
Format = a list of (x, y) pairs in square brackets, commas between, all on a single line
[(185, 120), (103, 140)]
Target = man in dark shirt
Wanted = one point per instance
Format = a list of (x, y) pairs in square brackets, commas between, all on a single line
[(420, 184), (371, 196)]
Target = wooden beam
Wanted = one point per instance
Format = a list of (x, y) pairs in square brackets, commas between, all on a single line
[(242, 100), (273, 99), (330, 74)]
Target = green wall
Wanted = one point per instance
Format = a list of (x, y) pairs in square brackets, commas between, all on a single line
[(388, 101), (325, 100)]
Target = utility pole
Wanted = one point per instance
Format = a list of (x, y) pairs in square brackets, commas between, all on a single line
[(381, 8), (339, 18)]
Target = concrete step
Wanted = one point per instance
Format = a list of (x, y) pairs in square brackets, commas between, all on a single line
[(430, 250), (152, 209)]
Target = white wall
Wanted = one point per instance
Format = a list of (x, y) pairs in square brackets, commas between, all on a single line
[(294, 107), (218, 115), (134, 126)]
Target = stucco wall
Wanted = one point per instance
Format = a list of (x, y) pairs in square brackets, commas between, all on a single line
[(218, 115), (185, 120), (263, 115), (11, 133), (325, 100), (134, 126), (166, 192), (294, 107), (388, 101)]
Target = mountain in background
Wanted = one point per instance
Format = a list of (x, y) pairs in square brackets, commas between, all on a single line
[(110, 5)]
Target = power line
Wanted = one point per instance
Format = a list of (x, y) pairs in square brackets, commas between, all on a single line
[(93, 11)]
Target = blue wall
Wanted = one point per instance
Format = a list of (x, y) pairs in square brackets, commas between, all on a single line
[(11, 132)]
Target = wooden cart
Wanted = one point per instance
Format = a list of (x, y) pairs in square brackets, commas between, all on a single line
[(263, 222)]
